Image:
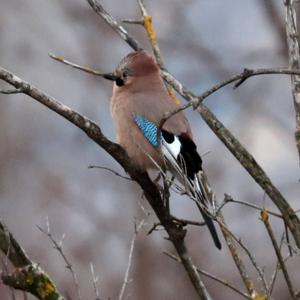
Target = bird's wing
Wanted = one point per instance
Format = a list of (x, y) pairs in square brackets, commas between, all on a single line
[(183, 160)]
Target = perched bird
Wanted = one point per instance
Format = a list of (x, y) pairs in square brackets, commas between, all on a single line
[(139, 102)]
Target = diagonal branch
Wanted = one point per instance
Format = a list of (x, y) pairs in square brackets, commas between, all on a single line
[(120, 30), (248, 282), (265, 218), (294, 61)]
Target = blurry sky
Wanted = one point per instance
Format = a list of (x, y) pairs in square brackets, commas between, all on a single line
[(44, 159)]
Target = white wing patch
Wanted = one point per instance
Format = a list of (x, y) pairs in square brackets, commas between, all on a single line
[(173, 148)]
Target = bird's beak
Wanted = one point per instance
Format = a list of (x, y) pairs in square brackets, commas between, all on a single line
[(110, 76)]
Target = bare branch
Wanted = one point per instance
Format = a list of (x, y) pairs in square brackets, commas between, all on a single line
[(27, 276), (59, 248), (228, 199), (5, 272), (185, 222), (253, 261), (294, 61), (10, 247), (120, 30), (240, 78), (211, 276), (75, 66), (132, 244), (265, 218), (147, 23), (110, 170), (248, 282), (95, 281)]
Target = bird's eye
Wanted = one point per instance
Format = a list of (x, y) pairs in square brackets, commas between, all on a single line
[(119, 82), (125, 74)]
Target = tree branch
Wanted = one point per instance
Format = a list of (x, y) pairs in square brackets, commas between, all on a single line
[(213, 277), (120, 30), (59, 247), (294, 61), (137, 228), (248, 282), (265, 218), (27, 276)]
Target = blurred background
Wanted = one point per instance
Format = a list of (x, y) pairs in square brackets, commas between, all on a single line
[(44, 159)]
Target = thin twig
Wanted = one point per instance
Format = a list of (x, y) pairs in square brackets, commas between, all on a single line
[(129, 21), (61, 59), (40, 284), (152, 36), (137, 228), (154, 227), (95, 282), (185, 222), (248, 282), (274, 275), (195, 101), (253, 261), (59, 248), (120, 30), (11, 92), (229, 199), (265, 218), (211, 276), (147, 22), (110, 170)]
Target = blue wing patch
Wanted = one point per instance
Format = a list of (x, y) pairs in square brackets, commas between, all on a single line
[(149, 130)]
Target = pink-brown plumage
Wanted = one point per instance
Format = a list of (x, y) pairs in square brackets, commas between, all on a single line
[(144, 94)]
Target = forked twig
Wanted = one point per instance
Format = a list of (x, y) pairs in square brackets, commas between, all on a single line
[(58, 247)]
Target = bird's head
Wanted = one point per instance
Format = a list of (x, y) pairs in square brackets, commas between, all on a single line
[(136, 64)]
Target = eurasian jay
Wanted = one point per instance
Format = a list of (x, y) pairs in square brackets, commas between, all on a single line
[(139, 102)]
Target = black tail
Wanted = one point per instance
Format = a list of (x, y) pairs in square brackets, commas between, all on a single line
[(211, 227)]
